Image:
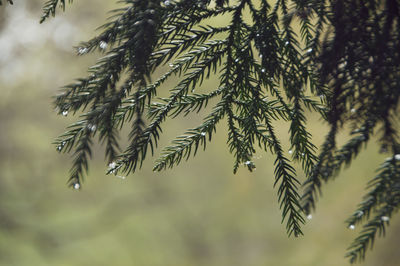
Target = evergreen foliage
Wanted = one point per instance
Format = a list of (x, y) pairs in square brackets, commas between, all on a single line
[(49, 8), (343, 63), (8, 1)]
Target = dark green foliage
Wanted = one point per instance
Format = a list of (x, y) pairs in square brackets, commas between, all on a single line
[(381, 202), (8, 1), (344, 63), (360, 62), (49, 8), (147, 34)]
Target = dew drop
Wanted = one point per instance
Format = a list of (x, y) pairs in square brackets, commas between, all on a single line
[(112, 165), (91, 127), (77, 186), (342, 65), (103, 45), (302, 154), (290, 152), (385, 219), (309, 50), (167, 2), (82, 50), (309, 217), (359, 213), (370, 59), (236, 60), (353, 110), (260, 56), (397, 157), (286, 43), (171, 65), (203, 133), (263, 70), (65, 113), (121, 177), (258, 35), (59, 148), (248, 163), (352, 227)]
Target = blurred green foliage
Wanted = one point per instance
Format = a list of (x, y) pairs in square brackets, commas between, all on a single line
[(196, 214)]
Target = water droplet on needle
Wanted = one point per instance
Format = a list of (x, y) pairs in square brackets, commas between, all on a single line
[(385, 219), (103, 45)]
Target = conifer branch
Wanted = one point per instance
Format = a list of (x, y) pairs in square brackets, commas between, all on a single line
[(182, 145), (49, 8), (287, 191), (267, 71), (8, 1), (381, 202)]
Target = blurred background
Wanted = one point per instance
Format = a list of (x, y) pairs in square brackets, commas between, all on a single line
[(198, 213)]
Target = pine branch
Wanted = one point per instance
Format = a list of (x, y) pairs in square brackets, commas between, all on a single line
[(49, 8), (268, 71), (319, 173), (182, 145), (79, 136), (382, 201), (8, 1), (187, 104), (287, 191)]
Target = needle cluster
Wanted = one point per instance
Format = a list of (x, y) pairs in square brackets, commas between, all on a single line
[(342, 62)]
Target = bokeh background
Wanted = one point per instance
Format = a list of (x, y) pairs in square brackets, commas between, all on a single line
[(198, 213)]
